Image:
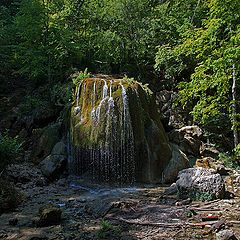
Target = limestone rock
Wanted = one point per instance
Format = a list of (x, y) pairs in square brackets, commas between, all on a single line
[(209, 162), (225, 234), (178, 162), (171, 190), (188, 138), (49, 215), (116, 132), (53, 166), (59, 149), (208, 151), (194, 181), (204, 162), (44, 140)]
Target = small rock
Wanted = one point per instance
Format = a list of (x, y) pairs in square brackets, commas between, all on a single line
[(49, 215), (203, 162), (13, 221), (209, 151), (225, 235), (221, 170), (171, 190), (183, 202)]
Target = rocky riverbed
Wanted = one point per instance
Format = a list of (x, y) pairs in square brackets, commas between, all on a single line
[(71, 208)]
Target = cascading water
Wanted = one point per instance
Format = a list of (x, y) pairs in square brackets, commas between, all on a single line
[(111, 156), (108, 139)]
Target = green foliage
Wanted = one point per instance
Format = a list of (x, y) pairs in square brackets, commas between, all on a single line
[(107, 229), (9, 149), (81, 76), (201, 61), (232, 159), (30, 103), (202, 196)]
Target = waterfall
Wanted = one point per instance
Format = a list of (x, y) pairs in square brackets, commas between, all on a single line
[(110, 156), (127, 141), (116, 133)]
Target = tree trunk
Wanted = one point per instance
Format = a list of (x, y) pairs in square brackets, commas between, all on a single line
[(234, 107)]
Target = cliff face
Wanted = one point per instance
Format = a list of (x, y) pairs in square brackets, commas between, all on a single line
[(115, 132)]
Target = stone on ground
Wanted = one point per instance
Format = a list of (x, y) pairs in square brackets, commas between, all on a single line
[(49, 215), (200, 181), (53, 166)]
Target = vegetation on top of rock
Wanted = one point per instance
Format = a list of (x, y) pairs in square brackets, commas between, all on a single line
[(81, 76)]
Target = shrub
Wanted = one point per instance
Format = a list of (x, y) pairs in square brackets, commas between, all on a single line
[(231, 160), (9, 197), (108, 230), (9, 148), (82, 75)]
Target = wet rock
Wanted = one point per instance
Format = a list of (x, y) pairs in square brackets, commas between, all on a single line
[(53, 166), (178, 162), (225, 235), (145, 142), (23, 173), (49, 215), (199, 181), (59, 149)]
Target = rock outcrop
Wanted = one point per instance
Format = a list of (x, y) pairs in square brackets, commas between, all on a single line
[(188, 138), (178, 162), (116, 132)]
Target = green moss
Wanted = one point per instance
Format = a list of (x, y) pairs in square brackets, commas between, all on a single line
[(150, 143)]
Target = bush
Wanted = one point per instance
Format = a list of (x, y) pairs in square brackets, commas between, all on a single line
[(80, 77), (107, 230), (9, 148), (231, 160), (9, 197)]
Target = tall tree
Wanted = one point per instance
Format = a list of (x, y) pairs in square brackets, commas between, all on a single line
[(212, 49)]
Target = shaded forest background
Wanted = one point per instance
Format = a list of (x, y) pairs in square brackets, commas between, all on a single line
[(191, 47)]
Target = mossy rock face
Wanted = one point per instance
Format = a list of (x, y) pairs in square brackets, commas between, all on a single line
[(116, 133)]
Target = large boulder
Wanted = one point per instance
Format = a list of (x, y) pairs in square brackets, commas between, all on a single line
[(60, 148), (53, 166), (195, 182), (44, 140), (188, 138), (178, 162)]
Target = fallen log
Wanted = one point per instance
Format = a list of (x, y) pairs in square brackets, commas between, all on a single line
[(166, 225)]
